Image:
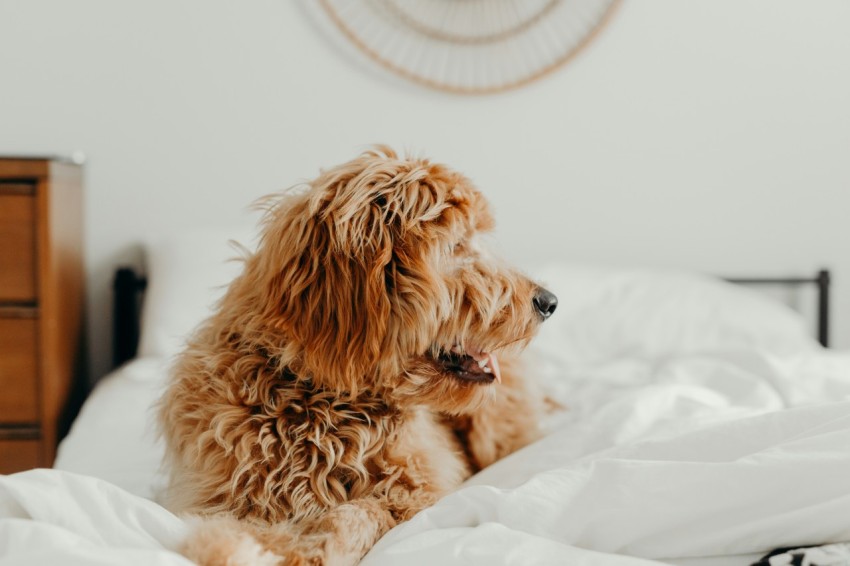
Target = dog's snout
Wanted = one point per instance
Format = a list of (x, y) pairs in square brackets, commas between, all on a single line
[(545, 302)]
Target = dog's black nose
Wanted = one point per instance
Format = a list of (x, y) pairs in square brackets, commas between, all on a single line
[(545, 302)]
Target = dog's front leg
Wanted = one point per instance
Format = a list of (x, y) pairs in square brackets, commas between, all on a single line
[(340, 537), (505, 423), (348, 531)]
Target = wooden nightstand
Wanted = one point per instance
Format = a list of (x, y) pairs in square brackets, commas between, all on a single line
[(41, 307)]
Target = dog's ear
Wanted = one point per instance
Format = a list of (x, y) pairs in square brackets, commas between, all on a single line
[(354, 249), (327, 289)]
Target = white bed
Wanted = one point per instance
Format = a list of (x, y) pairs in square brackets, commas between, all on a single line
[(704, 426)]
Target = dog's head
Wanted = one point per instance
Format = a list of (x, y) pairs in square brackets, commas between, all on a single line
[(376, 279)]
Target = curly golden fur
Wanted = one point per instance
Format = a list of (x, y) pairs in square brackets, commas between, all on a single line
[(358, 369)]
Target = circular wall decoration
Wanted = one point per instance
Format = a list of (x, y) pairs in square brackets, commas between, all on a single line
[(470, 46)]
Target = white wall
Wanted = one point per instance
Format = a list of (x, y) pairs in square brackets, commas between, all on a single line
[(709, 134)]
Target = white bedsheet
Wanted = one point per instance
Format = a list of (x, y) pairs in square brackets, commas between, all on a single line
[(710, 458), (54, 517)]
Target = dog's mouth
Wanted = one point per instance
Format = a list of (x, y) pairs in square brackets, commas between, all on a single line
[(471, 364)]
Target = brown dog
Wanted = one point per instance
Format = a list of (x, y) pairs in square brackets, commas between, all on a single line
[(356, 371)]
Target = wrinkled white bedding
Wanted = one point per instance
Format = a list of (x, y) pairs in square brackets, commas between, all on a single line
[(689, 458), (52, 517), (702, 458), (704, 426)]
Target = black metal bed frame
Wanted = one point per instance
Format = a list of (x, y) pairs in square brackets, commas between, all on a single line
[(821, 280), (129, 288), (127, 291)]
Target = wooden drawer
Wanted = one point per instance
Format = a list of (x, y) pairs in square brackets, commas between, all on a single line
[(41, 299), (17, 243), (19, 455), (18, 367)]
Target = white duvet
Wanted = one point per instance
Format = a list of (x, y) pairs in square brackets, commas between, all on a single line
[(690, 458), (717, 457), (703, 427)]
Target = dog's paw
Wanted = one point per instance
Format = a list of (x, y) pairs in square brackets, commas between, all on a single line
[(223, 542), (248, 552)]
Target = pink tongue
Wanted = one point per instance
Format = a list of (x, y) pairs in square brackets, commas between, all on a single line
[(492, 361), (494, 367)]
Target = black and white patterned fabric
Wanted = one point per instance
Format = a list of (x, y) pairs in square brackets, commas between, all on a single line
[(826, 555)]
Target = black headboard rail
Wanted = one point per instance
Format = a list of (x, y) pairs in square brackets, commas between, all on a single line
[(129, 287), (822, 281)]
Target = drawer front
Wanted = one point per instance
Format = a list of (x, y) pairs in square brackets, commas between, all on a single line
[(18, 370), (19, 455), (17, 244)]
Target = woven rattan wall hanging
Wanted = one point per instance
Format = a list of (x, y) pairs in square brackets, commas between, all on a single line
[(470, 46)]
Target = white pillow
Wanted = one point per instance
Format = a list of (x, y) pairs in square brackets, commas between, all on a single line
[(186, 275), (603, 313), (609, 313), (114, 437)]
